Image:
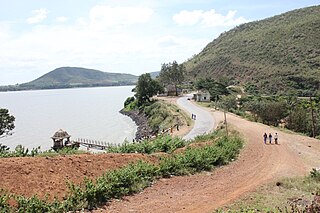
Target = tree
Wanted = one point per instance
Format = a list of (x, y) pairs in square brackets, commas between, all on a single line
[(6, 122), (172, 73), (311, 105), (146, 88), (271, 112), (228, 102), (298, 120)]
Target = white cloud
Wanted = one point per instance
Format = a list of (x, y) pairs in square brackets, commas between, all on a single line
[(102, 16), (168, 41), (62, 19), (188, 18), (39, 16), (207, 18)]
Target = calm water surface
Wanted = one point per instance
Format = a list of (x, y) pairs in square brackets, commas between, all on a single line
[(91, 113)]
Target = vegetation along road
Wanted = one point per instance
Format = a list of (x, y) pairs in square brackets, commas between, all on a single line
[(203, 122)]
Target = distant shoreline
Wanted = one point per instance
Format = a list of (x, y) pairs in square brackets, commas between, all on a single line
[(11, 89)]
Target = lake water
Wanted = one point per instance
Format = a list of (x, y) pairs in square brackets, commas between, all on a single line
[(91, 113)]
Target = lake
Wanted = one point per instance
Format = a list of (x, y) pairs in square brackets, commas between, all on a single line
[(91, 113)]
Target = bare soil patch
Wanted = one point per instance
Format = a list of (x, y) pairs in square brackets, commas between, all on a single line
[(48, 175)]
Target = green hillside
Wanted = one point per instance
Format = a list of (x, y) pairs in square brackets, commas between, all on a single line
[(278, 55), (68, 77)]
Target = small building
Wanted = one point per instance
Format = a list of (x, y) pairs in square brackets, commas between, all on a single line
[(170, 90), (60, 139), (202, 96)]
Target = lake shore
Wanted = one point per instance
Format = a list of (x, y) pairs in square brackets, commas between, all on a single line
[(141, 121)]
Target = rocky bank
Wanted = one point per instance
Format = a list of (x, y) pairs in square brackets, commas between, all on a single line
[(141, 121)]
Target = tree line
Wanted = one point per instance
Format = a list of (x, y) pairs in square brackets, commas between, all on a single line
[(171, 73)]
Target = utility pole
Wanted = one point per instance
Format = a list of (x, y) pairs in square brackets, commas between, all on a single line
[(225, 121), (313, 119)]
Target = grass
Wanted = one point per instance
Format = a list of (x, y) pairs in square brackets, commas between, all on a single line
[(286, 195), (162, 115), (164, 143), (21, 151)]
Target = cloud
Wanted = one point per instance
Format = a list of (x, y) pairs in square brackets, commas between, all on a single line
[(207, 18), (62, 19), (39, 16), (102, 16), (167, 41)]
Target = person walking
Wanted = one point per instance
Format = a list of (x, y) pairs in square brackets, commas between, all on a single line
[(270, 138), (276, 138), (265, 136)]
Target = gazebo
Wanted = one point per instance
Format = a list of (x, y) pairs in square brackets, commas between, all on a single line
[(60, 139)]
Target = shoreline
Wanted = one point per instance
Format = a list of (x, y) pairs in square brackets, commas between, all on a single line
[(141, 120)]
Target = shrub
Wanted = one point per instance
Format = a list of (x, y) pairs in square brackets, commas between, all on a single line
[(4, 206), (33, 204), (161, 144), (128, 101), (315, 174), (201, 159), (113, 184)]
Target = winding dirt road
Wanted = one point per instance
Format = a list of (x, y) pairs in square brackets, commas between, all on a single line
[(257, 164)]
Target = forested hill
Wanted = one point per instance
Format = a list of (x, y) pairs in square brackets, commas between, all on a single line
[(278, 55), (68, 77)]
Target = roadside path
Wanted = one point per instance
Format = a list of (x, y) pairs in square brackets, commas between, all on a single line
[(204, 122)]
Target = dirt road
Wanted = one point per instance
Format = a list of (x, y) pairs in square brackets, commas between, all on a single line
[(258, 164)]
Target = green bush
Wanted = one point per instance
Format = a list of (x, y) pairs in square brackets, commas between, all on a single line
[(31, 205), (20, 151), (161, 144), (201, 159), (113, 184), (128, 101), (130, 104), (4, 206), (315, 174)]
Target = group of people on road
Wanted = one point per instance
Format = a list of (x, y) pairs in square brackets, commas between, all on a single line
[(193, 116), (265, 138)]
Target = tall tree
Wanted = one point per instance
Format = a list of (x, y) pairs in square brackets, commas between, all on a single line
[(146, 88), (6, 122), (299, 120), (172, 73), (312, 106)]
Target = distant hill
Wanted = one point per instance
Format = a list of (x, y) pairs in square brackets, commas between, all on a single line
[(278, 55), (68, 77), (154, 74)]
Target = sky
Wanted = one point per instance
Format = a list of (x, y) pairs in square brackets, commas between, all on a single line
[(122, 36)]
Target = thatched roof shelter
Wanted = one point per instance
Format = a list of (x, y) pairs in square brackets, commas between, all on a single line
[(60, 134)]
